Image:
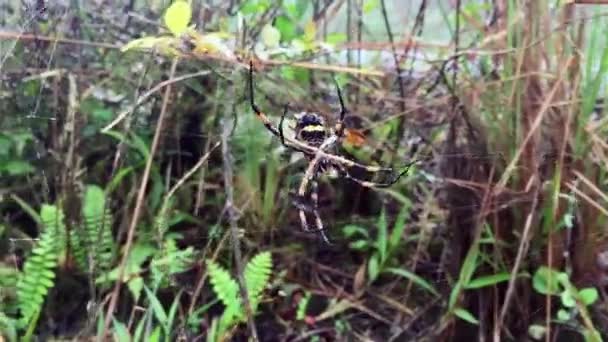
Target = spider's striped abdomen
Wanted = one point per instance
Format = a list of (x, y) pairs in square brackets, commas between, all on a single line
[(310, 128)]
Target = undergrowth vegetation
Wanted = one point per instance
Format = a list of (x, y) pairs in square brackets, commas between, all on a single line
[(141, 199)]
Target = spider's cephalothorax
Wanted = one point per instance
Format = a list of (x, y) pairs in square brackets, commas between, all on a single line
[(318, 143)]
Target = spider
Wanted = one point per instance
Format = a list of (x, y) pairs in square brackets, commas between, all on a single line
[(319, 144)]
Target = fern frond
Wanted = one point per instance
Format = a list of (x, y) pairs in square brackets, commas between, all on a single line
[(224, 286), (170, 260), (227, 290), (257, 274), (98, 227), (39, 270)]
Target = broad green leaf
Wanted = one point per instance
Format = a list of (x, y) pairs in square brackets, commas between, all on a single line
[(545, 281), (488, 280), (414, 278), (271, 36), (465, 315), (286, 27), (177, 17), (567, 298), (588, 295)]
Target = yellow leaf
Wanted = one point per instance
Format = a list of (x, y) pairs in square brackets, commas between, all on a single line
[(211, 43), (166, 45), (310, 31), (271, 36), (178, 16)]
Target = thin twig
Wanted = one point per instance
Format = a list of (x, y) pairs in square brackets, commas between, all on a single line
[(233, 220), (139, 203), (522, 250)]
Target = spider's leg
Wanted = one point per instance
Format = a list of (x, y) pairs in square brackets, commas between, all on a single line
[(255, 108), (303, 221), (314, 196), (262, 117), (281, 124), (370, 184), (340, 124)]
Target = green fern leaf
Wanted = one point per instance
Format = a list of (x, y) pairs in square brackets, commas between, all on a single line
[(257, 274), (98, 227), (224, 286), (39, 270)]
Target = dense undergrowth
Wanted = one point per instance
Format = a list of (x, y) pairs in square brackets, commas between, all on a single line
[(141, 198)]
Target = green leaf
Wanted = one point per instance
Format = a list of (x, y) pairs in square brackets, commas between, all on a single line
[(398, 228), (224, 286), (286, 28), (352, 230), (336, 38), (567, 298), (382, 240), (359, 245), (537, 331), (488, 280), (17, 167), (135, 285), (270, 36), (177, 17), (465, 315), (414, 278), (302, 306), (157, 307), (370, 5), (102, 114), (257, 274), (121, 332), (155, 335), (563, 315), (454, 295), (545, 281), (172, 312), (588, 295), (373, 267)]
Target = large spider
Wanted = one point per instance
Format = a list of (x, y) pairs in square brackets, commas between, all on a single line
[(319, 145)]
